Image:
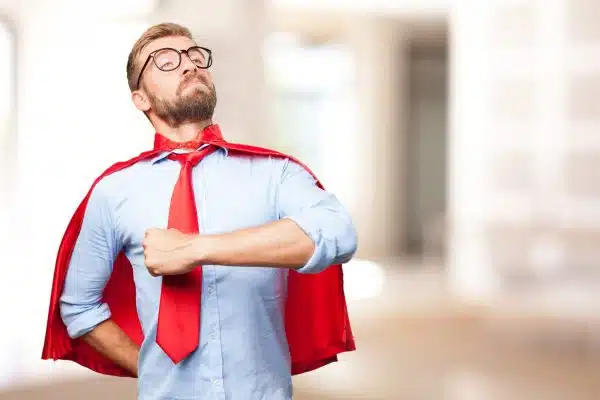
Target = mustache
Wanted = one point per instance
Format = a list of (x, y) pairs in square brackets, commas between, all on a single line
[(189, 78)]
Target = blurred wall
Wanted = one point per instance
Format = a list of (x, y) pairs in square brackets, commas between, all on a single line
[(524, 184), (381, 54)]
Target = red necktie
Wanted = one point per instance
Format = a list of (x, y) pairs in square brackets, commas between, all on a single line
[(178, 329)]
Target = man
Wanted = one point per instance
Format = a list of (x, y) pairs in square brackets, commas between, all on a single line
[(234, 251)]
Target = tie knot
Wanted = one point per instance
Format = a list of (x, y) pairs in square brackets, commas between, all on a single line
[(192, 158)]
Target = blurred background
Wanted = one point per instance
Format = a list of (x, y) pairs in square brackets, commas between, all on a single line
[(462, 136)]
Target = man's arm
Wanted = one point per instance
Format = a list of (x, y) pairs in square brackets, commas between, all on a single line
[(90, 267), (110, 340), (277, 244), (314, 231)]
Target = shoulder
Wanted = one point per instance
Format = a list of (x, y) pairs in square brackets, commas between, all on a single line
[(113, 182), (251, 162), (280, 166)]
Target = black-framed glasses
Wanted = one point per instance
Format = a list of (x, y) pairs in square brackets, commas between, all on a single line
[(169, 59)]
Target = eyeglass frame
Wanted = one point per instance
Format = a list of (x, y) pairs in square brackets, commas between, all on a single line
[(180, 52)]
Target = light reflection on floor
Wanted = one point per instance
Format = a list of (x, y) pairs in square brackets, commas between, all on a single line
[(363, 279)]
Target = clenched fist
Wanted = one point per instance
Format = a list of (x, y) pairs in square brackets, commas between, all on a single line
[(168, 252)]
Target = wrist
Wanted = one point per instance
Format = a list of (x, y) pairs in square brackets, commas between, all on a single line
[(199, 254)]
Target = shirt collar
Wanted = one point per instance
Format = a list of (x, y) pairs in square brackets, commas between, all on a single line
[(165, 154)]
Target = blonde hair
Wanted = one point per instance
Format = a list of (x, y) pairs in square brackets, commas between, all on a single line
[(151, 34)]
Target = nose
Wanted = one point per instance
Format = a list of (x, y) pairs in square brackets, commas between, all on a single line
[(186, 64)]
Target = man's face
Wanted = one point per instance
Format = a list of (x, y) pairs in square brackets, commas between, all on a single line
[(186, 94)]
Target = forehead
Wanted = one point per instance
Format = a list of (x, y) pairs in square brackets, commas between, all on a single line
[(175, 42)]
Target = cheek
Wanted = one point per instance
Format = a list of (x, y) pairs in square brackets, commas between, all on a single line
[(164, 85), (207, 76), (164, 90)]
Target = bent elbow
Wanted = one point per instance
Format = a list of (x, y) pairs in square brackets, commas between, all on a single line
[(347, 244), (80, 319)]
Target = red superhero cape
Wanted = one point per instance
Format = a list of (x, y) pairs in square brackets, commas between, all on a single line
[(316, 318)]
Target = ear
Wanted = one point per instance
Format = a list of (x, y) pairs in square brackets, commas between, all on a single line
[(140, 100)]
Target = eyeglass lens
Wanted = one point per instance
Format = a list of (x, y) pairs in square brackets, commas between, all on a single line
[(169, 59)]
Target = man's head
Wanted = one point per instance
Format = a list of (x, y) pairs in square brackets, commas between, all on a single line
[(169, 78)]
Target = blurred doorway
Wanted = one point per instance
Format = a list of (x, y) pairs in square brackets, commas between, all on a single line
[(426, 141)]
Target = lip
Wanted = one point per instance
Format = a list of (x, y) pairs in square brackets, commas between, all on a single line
[(195, 79), (192, 83)]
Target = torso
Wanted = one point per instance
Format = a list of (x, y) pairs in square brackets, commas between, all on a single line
[(243, 352)]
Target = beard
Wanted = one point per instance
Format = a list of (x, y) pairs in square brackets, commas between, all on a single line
[(196, 106)]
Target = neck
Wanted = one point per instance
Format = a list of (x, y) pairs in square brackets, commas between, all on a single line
[(183, 133)]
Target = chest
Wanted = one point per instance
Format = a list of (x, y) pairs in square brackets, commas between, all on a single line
[(228, 196)]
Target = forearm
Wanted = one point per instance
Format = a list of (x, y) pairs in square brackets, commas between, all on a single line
[(110, 341), (277, 244)]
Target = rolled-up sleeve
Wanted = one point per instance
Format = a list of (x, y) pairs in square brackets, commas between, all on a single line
[(81, 305), (320, 215)]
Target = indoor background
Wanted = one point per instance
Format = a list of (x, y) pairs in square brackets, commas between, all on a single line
[(463, 136)]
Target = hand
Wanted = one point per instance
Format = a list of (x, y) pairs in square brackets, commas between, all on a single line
[(168, 252)]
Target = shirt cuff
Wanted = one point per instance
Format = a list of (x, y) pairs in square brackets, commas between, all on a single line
[(87, 320), (322, 255)]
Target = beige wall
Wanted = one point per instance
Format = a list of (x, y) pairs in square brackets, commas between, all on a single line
[(524, 195), (382, 70)]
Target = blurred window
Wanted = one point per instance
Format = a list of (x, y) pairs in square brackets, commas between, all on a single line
[(312, 91)]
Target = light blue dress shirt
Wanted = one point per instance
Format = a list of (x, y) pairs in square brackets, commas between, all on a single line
[(243, 352)]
